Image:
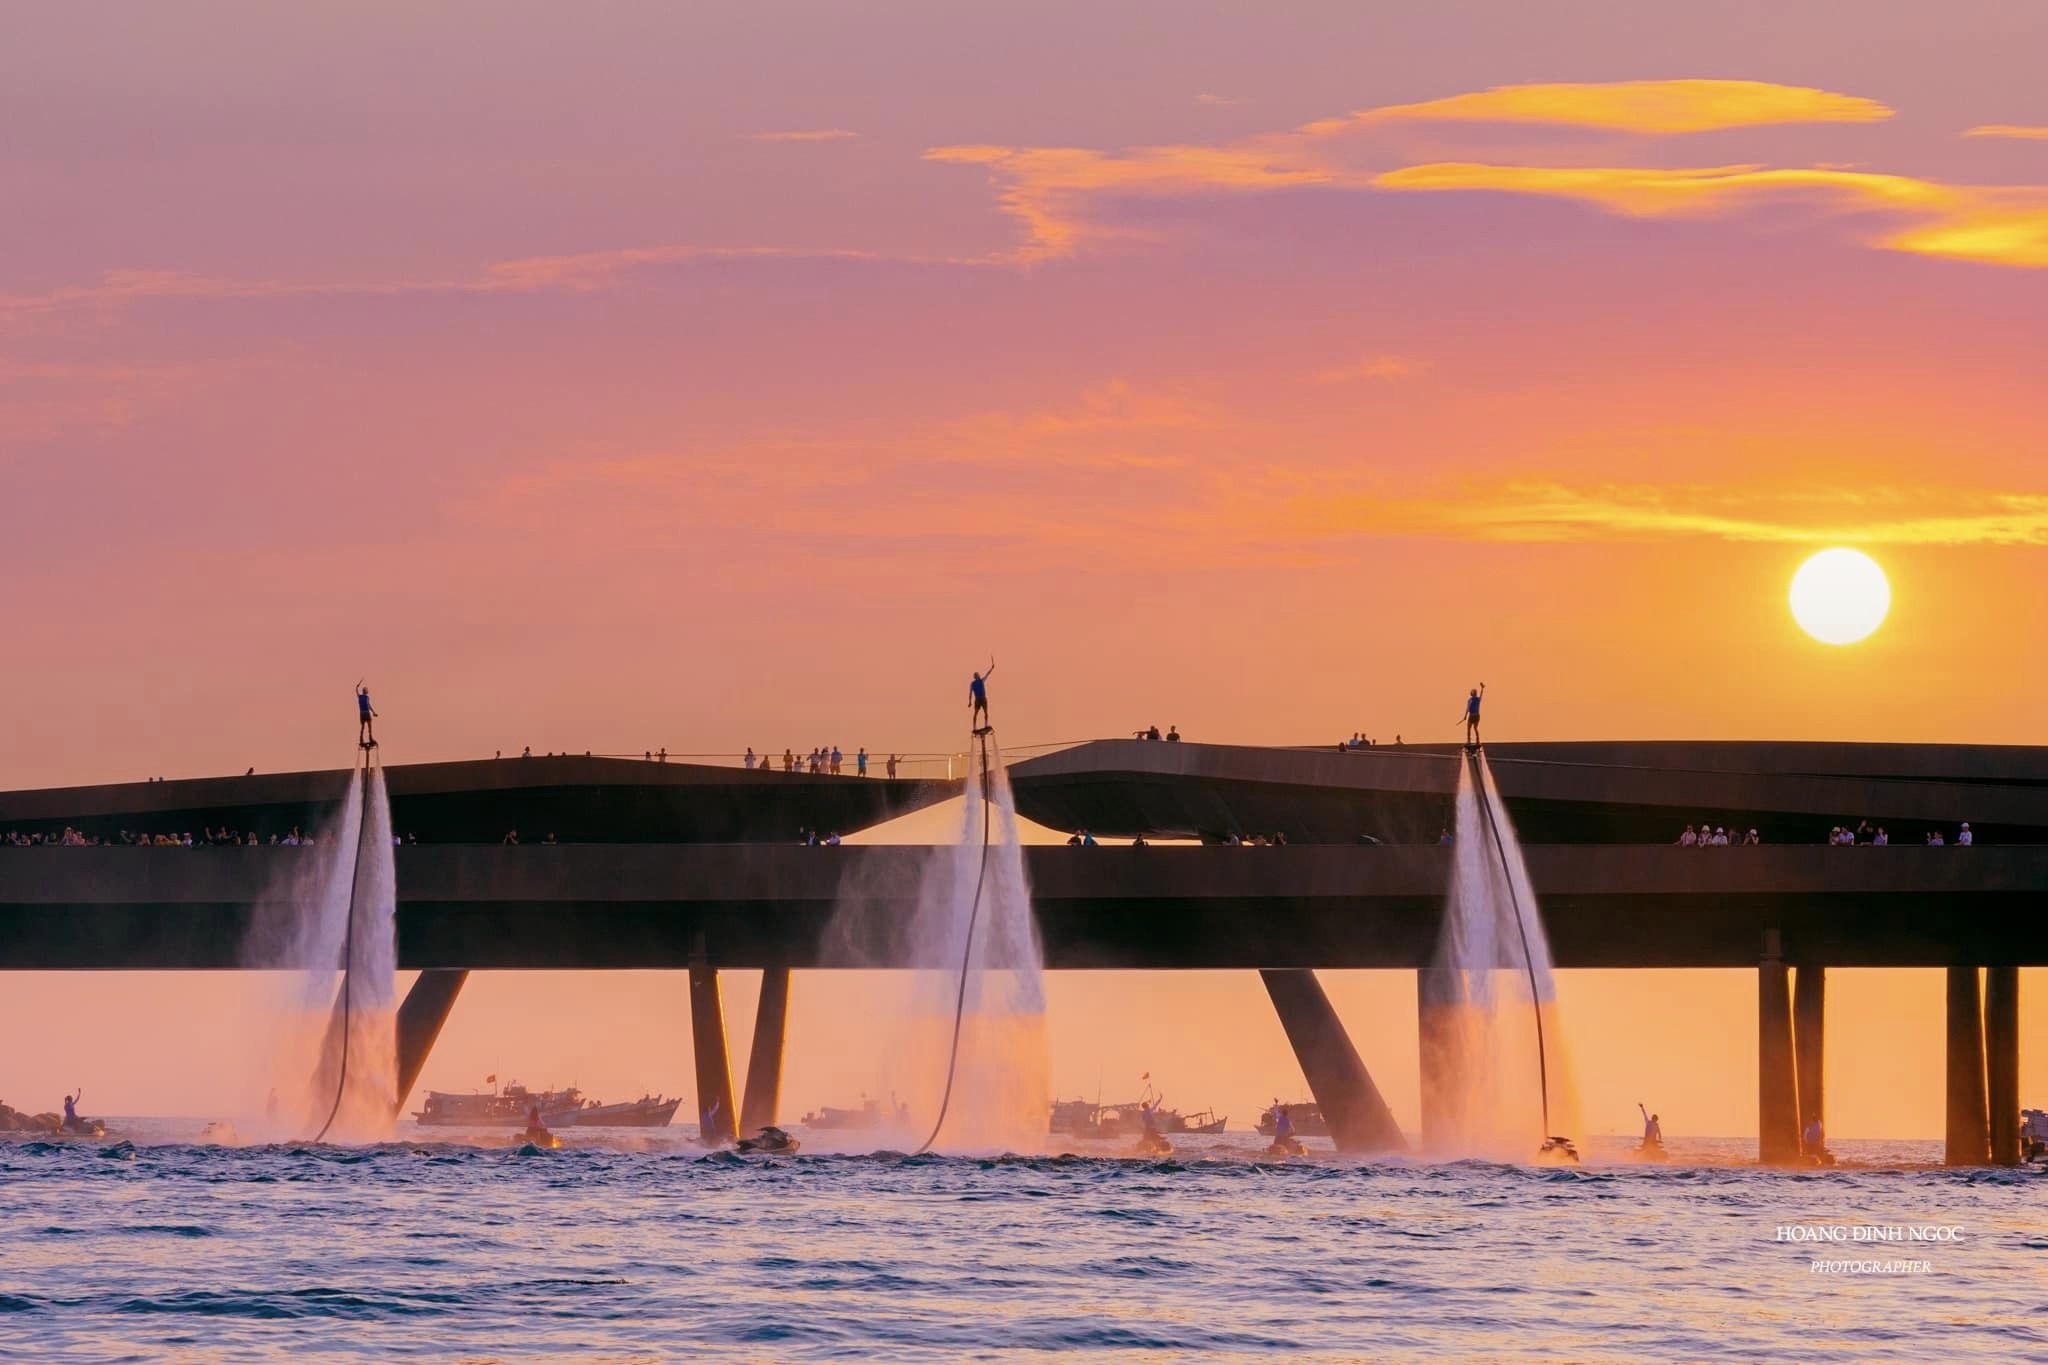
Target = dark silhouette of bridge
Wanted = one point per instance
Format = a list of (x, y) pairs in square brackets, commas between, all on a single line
[(697, 868)]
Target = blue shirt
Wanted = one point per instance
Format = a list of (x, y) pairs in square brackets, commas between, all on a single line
[(363, 704), (1472, 707), (978, 690)]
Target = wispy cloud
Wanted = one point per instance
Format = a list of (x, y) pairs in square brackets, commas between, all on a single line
[(1657, 107), (1541, 510), (2024, 132), (578, 272), (1225, 100), (1047, 189), (1990, 224), (1371, 367), (805, 135)]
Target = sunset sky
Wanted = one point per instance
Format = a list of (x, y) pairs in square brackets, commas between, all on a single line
[(704, 376)]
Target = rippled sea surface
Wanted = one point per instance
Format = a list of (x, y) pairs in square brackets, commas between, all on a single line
[(656, 1250)]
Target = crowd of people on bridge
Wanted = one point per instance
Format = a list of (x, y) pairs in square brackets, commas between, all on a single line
[(825, 760), (1878, 836), (1863, 832), (206, 838), (1716, 836)]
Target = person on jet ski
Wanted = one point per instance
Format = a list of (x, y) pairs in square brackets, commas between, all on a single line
[(73, 1123), (1653, 1131)]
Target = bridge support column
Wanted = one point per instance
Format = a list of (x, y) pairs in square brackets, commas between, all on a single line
[(1809, 1007), (1439, 993), (421, 1017), (1777, 1096), (1969, 1139), (714, 1072), (764, 1062), (2002, 1061), (1359, 1118)]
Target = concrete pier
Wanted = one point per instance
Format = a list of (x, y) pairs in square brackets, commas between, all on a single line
[(764, 1061), (1969, 1138), (714, 1073), (421, 1017), (1438, 995), (2002, 1062), (1777, 1103), (1357, 1114), (1809, 1009)]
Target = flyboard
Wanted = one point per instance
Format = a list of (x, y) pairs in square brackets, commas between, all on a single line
[(1554, 1148)]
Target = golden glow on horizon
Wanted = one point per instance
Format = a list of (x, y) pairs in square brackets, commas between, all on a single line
[(1840, 596)]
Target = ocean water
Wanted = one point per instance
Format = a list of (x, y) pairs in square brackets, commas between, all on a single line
[(642, 1246)]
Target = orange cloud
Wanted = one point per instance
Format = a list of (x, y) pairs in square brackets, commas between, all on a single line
[(1042, 186), (1046, 188), (2022, 131), (1539, 510), (1676, 106), (1993, 225)]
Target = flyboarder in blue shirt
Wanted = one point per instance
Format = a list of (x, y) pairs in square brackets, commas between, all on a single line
[(977, 697), (366, 734), (1472, 716)]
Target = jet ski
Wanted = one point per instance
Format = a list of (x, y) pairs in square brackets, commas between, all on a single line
[(1651, 1151), (1152, 1144), (772, 1141), (540, 1137), (1286, 1146), (1558, 1150)]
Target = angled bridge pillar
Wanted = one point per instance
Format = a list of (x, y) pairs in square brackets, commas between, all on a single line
[(1358, 1116)]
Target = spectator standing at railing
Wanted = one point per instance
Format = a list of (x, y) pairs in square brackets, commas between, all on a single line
[(892, 765), (837, 758), (750, 758), (860, 762)]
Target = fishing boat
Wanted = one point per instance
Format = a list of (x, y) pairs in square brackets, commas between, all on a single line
[(568, 1108), (1307, 1118), (871, 1114)]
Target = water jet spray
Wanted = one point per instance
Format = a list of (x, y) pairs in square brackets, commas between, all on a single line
[(1553, 1145), (348, 939), (981, 735)]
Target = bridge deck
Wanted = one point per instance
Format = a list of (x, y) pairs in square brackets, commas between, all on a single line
[(750, 906)]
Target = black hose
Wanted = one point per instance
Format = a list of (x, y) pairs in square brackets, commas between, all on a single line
[(348, 953), (966, 954), (1528, 962)]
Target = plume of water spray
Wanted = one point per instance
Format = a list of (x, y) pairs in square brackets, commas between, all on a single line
[(1001, 1092), (1481, 1050), (340, 877)]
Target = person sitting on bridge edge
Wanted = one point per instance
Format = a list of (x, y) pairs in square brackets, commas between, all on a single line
[(366, 734), (977, 698), (1472, 716)]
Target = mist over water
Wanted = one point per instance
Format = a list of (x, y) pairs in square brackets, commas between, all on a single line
[(1001, 1090), (1482, 1055), (349, 875)]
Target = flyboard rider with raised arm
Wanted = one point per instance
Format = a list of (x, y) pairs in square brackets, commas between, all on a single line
[(977, 699)]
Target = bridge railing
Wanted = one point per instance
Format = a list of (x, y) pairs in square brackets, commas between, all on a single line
[(947, 765)]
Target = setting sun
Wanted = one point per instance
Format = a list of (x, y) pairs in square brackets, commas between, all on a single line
[(1840, 596)]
